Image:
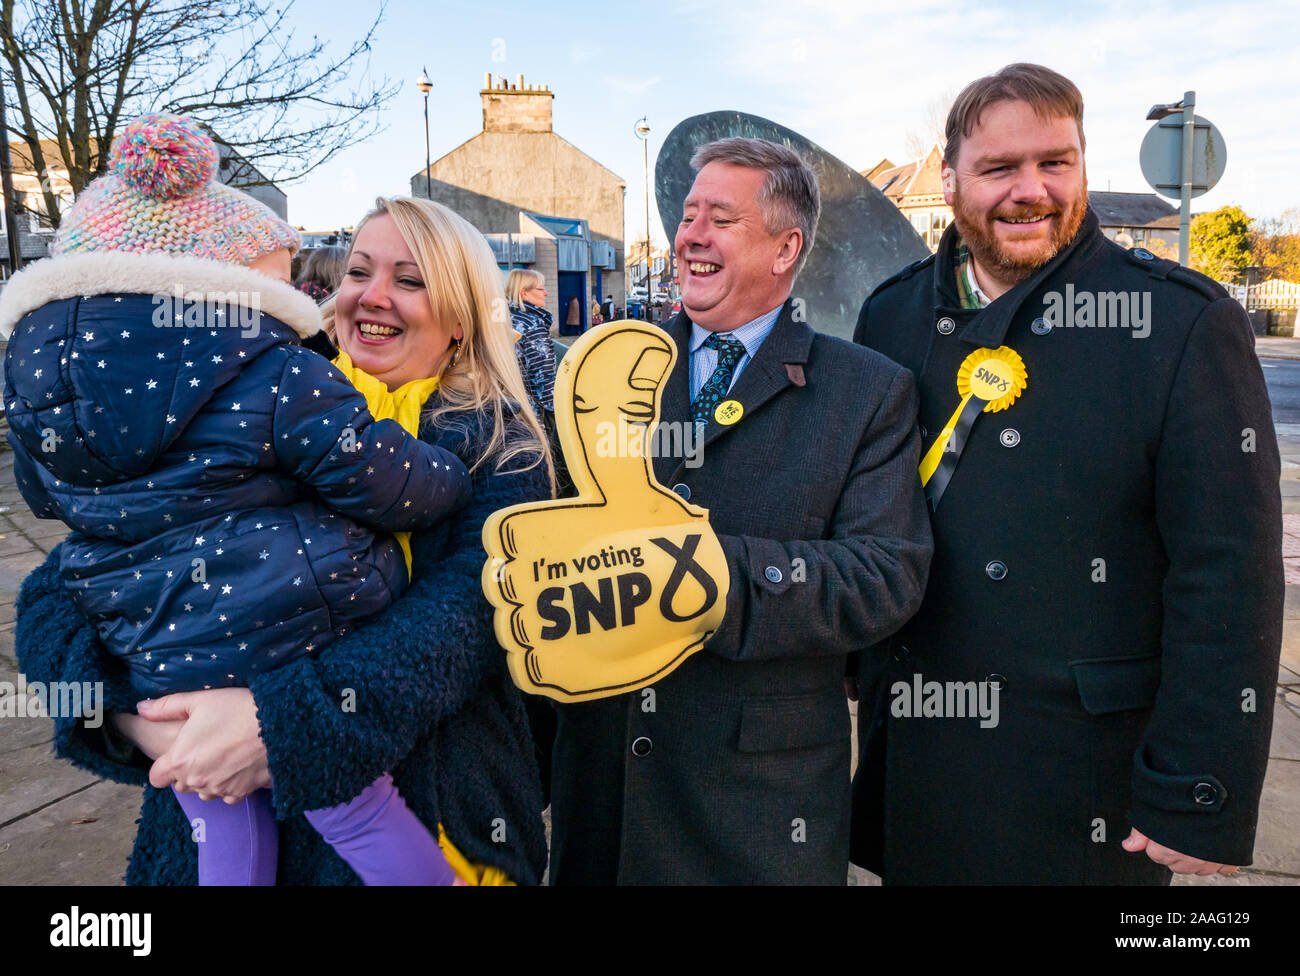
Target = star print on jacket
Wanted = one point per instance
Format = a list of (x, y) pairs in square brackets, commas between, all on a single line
[(219, 467)]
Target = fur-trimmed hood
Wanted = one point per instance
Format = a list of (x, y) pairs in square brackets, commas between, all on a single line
[(126, 273), (111, 355)]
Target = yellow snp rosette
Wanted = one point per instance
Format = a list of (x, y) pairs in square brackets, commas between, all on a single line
[(988, 380)]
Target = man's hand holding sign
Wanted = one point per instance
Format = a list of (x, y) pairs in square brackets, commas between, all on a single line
[(607, 592)]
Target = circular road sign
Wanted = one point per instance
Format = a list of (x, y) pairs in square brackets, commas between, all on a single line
[(1162, 150)]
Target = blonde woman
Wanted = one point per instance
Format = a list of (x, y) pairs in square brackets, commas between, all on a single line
[(526, 292), (420, 690)]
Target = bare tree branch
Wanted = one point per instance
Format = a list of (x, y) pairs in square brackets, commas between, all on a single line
[(79, 69)]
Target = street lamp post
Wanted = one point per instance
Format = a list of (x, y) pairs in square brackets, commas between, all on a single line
[(425, 85), (643, 133)]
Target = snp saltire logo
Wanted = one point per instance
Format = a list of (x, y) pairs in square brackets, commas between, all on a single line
[(75, 930)]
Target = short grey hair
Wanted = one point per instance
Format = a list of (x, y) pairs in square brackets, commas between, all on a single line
[(789, 196)]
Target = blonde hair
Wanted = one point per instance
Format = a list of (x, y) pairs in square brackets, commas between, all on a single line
[(464, 284), (517, 282)]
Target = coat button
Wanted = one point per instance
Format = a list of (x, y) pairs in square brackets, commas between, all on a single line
[(902, 653), (1009, 437), (684, 490), (998, 681), (1142, 254), (996, 569), (1040, 326), (773, 574), (641, 747), (945, 326), (1205, 794)]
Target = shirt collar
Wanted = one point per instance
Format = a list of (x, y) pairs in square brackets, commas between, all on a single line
[(750, 335), (968, 286)]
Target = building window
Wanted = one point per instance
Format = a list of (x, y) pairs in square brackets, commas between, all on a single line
[(921, 224), (939, 222), (38, 221)]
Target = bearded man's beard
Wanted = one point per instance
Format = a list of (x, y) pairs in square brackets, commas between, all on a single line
[(977, 232)]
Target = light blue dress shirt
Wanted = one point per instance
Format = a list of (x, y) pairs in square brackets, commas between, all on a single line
[(750, 335)]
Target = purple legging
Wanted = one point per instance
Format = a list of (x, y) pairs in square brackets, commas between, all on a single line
[(375, 833)]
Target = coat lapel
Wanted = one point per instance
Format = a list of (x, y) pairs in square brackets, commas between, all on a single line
[(675, 406), (989, 327)]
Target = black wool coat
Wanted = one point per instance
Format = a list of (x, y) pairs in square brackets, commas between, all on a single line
[(735, 768), (1108, 553)]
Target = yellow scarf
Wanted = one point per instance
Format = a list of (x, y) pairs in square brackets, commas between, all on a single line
[(404, 405)]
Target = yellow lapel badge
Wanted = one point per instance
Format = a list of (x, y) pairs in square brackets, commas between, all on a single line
[(728, 412)]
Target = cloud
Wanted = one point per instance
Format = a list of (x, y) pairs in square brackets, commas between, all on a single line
[(857, 82), (629, 86), (582, 52)]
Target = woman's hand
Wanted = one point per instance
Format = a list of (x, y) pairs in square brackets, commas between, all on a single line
[(219, 750), (151, 738)]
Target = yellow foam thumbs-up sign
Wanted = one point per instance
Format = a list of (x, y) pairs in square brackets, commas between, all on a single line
[(610, 591)]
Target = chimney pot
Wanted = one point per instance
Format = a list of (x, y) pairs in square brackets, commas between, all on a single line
[(517, 113)]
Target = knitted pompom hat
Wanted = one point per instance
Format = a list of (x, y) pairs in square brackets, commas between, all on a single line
[(161, 195)]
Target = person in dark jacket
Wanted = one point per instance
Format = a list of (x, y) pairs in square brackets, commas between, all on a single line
[(526, 293), (1084, 696), (421, 690)]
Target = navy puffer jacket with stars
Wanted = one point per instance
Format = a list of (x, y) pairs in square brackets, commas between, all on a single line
[(230, 495)]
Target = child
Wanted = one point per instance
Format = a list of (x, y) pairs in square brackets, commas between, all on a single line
[(230, 495)]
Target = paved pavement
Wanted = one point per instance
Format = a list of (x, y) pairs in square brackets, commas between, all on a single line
[(1277, 347), (59, 825)]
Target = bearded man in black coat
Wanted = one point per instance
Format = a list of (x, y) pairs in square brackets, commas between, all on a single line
[(1085, 695)]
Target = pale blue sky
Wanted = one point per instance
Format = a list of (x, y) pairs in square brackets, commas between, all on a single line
[(853, 77)]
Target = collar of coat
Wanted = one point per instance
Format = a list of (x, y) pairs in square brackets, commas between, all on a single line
[(125, 273), (779, 363), (988, 327), (532, 311)]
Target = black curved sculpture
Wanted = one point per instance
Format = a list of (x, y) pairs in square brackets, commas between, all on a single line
[(862, 238)]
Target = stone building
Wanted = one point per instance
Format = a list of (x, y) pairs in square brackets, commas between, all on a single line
[(916, 188), (35, 231), (234, 170), (1138, 219), (541, 201)]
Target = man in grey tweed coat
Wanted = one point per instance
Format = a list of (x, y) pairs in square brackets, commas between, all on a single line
[(734, 768)]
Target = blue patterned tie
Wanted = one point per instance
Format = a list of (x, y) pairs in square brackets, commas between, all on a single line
[(730, 352)]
